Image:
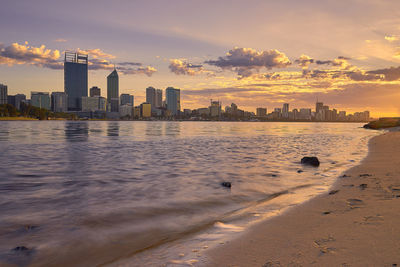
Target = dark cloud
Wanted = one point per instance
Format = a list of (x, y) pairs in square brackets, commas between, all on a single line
[(148, 70), (389, 74), (244, 61), (129, 64)]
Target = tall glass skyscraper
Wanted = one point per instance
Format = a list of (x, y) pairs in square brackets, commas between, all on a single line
[(154, 97), (113, 91), (75, 79), (173, 99)]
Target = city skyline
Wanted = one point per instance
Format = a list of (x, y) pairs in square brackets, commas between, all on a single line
[(349, 59)]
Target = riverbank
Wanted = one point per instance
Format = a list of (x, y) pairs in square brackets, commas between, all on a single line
[(17, 119), (355, 224)]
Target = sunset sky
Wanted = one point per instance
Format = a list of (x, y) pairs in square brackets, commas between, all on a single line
[(255, 53)]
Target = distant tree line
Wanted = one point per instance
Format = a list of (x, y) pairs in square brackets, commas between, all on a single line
[(7, 110)]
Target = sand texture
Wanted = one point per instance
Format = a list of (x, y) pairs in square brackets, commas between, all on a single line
[(357, 223)]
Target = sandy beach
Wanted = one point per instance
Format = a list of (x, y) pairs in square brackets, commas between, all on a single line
[(356, 223)]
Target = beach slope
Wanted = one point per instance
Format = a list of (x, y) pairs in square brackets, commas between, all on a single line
[(357, 223)]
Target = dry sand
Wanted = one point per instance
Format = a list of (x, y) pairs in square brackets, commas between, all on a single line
[(357, 224)]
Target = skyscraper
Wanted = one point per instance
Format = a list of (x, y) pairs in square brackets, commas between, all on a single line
[(173, 99), (113, 91), (154, 97), (285, 110), (95, 91), (318, 107), (40, 100), (127, 99), (59, 102), (16, 100), (75, 79), (3, 94)]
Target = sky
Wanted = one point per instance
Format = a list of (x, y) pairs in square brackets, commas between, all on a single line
[(255, 53)]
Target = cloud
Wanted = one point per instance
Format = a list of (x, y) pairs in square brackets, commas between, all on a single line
[(130, 64), (244, 61), (96, 53), (18, 54), (180, 67), (60, 40), (391, 38), (389, 74), (340, 61), (148, 70), (304, 61)]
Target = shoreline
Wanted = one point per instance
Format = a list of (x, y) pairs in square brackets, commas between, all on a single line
[(354, 224)]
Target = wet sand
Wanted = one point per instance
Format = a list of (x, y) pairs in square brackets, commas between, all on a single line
[(357, 223)]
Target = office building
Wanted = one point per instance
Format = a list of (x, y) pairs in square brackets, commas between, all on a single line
[(261, 112), (215, 108), (145, 110), (40, 100), (173, 99), (16, 100), (154, 97), (59, 102), (95, 103), (3, 94), (285, 110), (127, 99), (113, 91), (75, 79), (126, 110), (95, 91)]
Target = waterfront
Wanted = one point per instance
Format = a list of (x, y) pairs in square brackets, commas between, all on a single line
[(103, 192)]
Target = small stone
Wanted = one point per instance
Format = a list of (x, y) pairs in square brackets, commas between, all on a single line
[(365, 175), (326, 212), (363, 186), (313, 161), (299, 171), (333, 192), (226, 184), (345, 176), (20, 248)]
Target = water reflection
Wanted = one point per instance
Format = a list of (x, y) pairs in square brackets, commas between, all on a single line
[(4, 131), (76, 131), (172, 128), (113, 129)]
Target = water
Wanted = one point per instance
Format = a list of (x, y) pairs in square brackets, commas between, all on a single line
[(149, 193)]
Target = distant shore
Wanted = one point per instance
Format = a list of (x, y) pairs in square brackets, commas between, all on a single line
[(355, 224)]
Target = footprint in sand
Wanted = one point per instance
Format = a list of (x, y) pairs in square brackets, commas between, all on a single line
[(322, 245), (354, 203)]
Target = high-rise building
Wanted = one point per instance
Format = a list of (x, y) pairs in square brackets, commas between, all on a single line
[(59, 102), (3, 94), (95, 103), (154, 97), (285, 110), (261, 112), (159, 102), (173, 99), (16, 100), (95, 91), (127, 99), (318, 107), (113, 91), (75, 79), (215, 108), (40, 100)]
